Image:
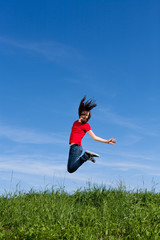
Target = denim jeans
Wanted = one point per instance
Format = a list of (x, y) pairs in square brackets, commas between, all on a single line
[(74, 159)]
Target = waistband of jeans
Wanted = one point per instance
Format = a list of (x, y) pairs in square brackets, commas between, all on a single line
[(74, 145)]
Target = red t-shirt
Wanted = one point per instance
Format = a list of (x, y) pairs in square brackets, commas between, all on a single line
[(78, 131)]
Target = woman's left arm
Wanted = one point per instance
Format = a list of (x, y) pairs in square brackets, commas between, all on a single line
[(99, 139)]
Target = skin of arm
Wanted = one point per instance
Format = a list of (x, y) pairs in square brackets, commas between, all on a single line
[(99, 139)]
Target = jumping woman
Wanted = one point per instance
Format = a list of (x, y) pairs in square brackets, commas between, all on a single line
[(79, 129)]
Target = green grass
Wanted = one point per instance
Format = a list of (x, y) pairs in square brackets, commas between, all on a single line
[(92, 213)]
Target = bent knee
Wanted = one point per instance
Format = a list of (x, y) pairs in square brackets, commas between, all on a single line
[(70, 169)]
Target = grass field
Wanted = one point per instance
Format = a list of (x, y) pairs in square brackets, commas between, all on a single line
[(92, 213)]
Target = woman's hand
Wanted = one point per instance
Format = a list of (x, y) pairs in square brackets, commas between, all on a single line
[(111, 141)]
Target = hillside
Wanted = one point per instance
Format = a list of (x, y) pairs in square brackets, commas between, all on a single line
[(92, 213)]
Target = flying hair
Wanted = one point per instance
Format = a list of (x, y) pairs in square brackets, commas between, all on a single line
[(86, 106)]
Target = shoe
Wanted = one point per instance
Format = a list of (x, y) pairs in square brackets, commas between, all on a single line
[(91, 156), (92, 159)]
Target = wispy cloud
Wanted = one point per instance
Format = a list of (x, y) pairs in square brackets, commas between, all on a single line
[(128, 160), (29, 168), (42, 165), (125, 122), (53, 51), (29, 136), (129, 155), (126, 165), (33, 164)]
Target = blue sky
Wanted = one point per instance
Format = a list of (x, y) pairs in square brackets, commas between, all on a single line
[(52, 53)]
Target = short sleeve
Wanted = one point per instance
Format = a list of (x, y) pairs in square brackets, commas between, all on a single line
[(87, 127)]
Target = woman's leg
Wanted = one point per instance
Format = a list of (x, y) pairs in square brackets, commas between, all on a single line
[(74, 159)]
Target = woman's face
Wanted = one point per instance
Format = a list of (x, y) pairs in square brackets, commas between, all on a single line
[(84, 117)]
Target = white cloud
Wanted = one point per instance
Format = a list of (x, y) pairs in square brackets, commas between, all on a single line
[(29, 136), (29, 168), (45, 165), (38, 165), (128, 165), (129, 155), (53, 51), (125, 122)]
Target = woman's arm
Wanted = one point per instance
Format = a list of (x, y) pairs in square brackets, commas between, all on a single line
[(99, 139)]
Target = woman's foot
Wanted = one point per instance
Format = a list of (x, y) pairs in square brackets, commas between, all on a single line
[(91, 156)]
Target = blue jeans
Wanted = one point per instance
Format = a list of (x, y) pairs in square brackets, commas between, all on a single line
[(74, 159)]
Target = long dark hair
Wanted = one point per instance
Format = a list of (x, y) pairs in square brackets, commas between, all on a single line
[(86, 106)]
